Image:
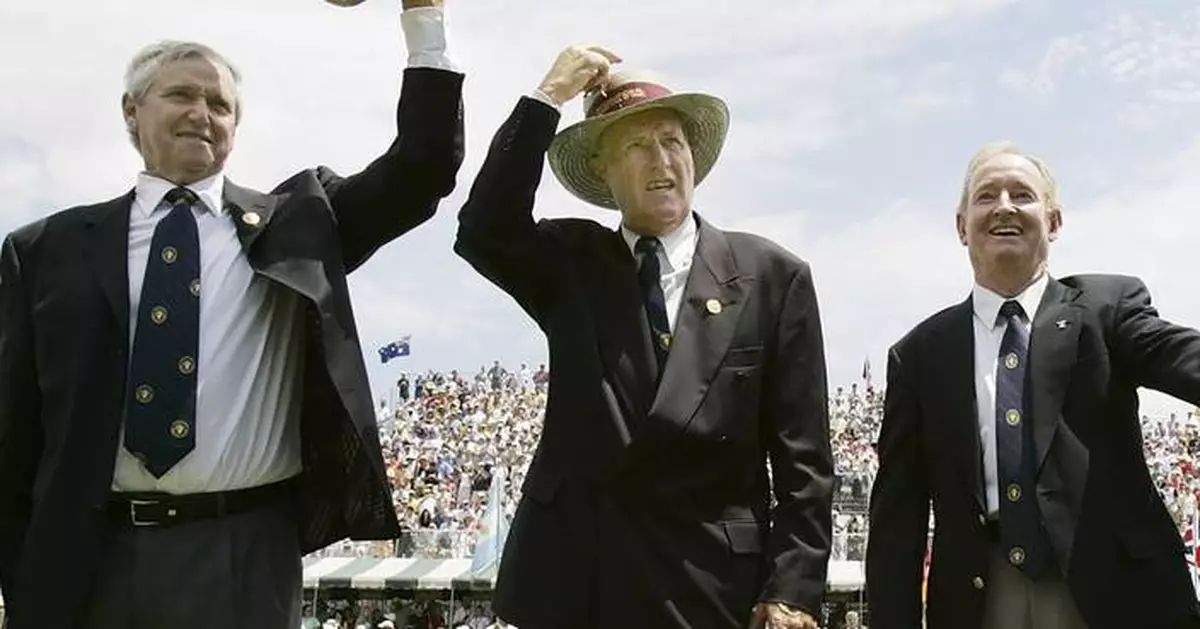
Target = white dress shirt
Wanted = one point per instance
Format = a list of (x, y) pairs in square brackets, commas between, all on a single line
[(674, 262), (250, 360), (988, 336)]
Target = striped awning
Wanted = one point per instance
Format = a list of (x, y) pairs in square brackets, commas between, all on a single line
[(393, 573), (368, 573), (845, 576)]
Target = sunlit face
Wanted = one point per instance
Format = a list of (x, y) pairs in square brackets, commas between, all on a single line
[(186, 121), (1006, 224), (646, 161)]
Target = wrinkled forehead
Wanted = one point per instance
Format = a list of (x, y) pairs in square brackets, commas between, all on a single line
[(197, 72), (1007, 168)]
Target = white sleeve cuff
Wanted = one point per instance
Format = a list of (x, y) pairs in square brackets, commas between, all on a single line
[(425, 36), (540, 95)]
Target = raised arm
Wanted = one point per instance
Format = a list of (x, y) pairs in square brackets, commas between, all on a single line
[(402, 188), (497, 234)]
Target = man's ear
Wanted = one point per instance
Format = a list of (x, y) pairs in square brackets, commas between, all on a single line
[(129, 111), (1056, 222)]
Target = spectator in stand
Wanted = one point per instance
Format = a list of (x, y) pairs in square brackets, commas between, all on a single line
[(402, 388)]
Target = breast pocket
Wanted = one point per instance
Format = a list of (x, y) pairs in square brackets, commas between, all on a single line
[(743, 357), (733, 399)]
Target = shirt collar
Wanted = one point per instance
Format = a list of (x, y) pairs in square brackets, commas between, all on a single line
[(679, 244), (151, 189), (987, 302)]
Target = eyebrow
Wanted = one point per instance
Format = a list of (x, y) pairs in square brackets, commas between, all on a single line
[(992, 181)]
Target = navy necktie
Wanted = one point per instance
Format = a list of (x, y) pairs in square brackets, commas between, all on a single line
[(649, 278), (1022, 536), (160, 418)]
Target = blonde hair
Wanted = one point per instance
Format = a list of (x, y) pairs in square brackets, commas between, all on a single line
[(993, 149)]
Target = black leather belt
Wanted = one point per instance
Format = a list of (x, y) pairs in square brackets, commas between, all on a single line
[(135, 510)]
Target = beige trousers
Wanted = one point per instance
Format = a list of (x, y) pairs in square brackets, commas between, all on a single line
[(1015, 602)]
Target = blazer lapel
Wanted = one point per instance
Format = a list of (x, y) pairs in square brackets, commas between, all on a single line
[(251, 212), (708, 316), (107, 247), (623, 333), (1052, 354), (954, 377)]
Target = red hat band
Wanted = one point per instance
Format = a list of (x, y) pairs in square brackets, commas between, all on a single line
[(627, 95)]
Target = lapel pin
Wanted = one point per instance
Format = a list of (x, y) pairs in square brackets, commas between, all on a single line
[(713, 306), (1062, 324), (251, 218)]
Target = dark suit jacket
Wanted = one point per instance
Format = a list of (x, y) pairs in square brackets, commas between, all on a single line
[(64, 320), (644, 506), (1095, 340)]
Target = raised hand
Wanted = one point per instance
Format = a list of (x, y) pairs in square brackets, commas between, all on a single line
[(577, 69)]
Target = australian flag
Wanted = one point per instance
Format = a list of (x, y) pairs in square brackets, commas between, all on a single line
[(395, 349)]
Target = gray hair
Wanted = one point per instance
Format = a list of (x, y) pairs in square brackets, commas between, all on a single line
[(147, 63), (1008, 148)]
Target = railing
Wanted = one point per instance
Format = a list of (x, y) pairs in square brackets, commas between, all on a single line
[(438, 544)]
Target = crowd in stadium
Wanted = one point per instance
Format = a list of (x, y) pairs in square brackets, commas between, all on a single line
[(444, 433)]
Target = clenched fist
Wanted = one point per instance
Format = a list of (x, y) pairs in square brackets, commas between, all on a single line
[(577, 69)]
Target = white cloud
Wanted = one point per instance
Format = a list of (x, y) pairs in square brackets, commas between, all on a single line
[(1150, 60)]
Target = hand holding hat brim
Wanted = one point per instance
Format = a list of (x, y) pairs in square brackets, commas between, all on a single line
[(577, 68), (705, 120)]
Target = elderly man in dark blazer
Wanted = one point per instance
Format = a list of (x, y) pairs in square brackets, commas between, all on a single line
[(682, 359), (184, 409), (1015, 414)]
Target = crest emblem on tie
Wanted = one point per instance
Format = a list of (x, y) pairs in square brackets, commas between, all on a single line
[(1011, 361)]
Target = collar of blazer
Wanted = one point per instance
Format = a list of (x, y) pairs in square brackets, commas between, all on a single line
[(712, 303), (107, 241), (251, 211), (1052, 354)]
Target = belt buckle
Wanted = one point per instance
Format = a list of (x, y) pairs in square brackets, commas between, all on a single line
[(133, 517)]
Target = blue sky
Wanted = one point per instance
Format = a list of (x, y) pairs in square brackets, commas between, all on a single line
[(851, 125)]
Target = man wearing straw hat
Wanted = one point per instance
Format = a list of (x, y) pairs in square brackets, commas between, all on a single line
[(682, 357)]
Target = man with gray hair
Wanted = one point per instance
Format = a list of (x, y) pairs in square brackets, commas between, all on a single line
[(184, 408), (1015, 414)]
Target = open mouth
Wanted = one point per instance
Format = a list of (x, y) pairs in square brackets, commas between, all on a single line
[(195, 136), (1005, 230), (659, 185)]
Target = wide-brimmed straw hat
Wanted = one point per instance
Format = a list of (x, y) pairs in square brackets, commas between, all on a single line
[(705, 120)]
